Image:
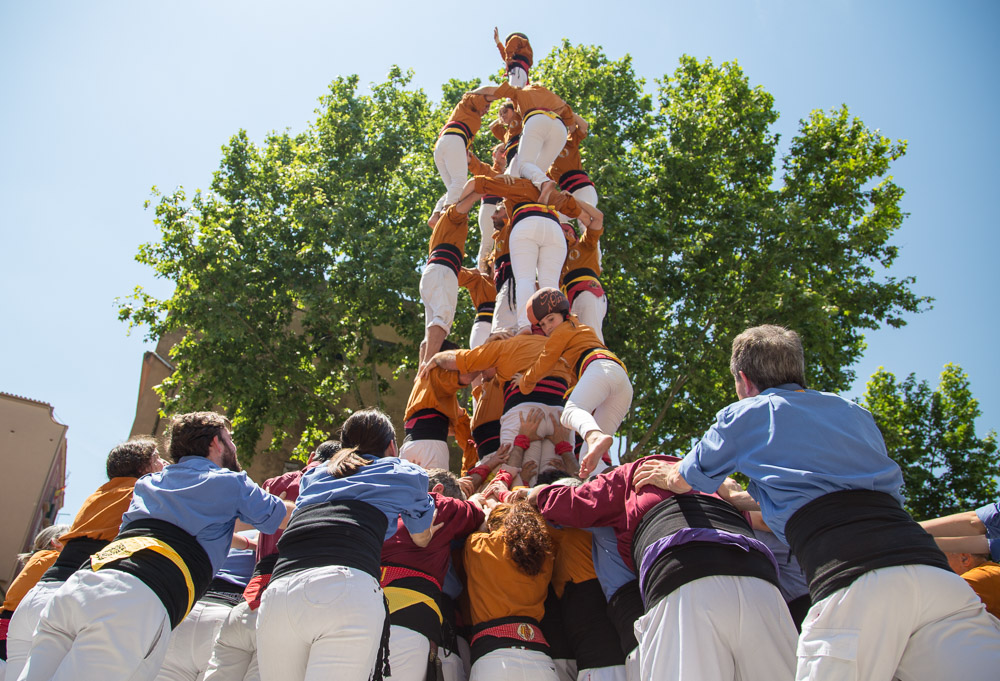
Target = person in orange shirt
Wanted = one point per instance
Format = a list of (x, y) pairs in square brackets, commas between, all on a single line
[(45, 550), (567, 170), (982, 574), (439, 280), (431, 411), (451, 149), (509, 357), (508, 569), (536, 248), (95, 525), (507, 128), (580, 279), (517, 54), (547, 121), (487, 205), (603, 392)]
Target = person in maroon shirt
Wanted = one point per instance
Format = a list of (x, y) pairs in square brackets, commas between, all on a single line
[(700, 572), (412, 579)]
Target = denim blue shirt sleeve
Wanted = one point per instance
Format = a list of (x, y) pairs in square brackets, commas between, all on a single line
[(990, 515), (205, 500), (795, 446), (397, 488)]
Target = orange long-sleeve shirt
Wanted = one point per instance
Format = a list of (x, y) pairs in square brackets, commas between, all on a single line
[(569, 158), (477, 167), (535, 97), (447, 246), (509, 356), (574, 559), (584, 253), (985, 581), (467, 117), (489, 403), (496, 587), (100, 517), (37, 564), (517, 46), (438, 390), (479, 286), (567, 344), (523, 191)]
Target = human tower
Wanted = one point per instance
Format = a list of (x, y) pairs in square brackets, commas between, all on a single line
[(533, 263)]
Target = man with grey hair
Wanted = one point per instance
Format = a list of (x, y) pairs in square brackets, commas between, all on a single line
[(885, 603)]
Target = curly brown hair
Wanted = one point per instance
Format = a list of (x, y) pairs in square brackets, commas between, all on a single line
[(525, 534)]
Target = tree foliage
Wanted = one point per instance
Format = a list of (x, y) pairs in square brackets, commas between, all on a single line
[(931, 434), (305, 244)]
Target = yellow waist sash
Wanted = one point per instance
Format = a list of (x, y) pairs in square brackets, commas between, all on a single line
[(123, 548)]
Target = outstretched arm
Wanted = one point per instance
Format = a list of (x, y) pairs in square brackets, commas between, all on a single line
[(590, 216), (964, 524)]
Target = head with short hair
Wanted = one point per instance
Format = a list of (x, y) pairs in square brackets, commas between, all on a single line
[(368, 431), (447, 480), (132, 458), (769, 356), (191, 434), (326, 450)]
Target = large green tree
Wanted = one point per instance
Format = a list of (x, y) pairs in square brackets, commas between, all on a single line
[(931, 434), (307, 244)]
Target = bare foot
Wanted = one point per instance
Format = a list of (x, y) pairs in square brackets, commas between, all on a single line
[(598, 443), (545, 192)]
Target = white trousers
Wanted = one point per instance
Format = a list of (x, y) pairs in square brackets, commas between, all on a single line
[(615, 673), (191, 642), (486, 211), (600, 400), (452, 161), (99, 626), (537, 246), (408, 652), (23, 624), (234, 655), (541, 451), (425, 453), (439, 294), (541, 141), (480, 332), (911, 622), (591, 310), (320, 624), (513, 664), (517, 76), (504, 312), (721, 628), (587, 194)]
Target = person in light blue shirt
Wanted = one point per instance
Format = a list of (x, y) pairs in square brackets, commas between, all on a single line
[(885, 602), (174, 537), (323, 613)]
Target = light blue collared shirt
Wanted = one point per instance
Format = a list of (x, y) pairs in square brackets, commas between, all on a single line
[(612, 573), (990, 515), (795, 445), (397, 488), (205, 500)]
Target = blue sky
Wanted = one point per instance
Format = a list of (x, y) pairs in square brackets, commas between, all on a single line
[(103, 100)]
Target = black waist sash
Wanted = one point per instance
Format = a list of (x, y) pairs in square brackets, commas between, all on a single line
[(550, 391), (223, 592), (589, 629), (426, 424), (74, 555), (624, 608), (491, 200), (842, 535), (487, 437), (572, 180), (159, 573), (348, 533), (448, 255), (502, 272), (510, 148), (484, 313), (679, 565)]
